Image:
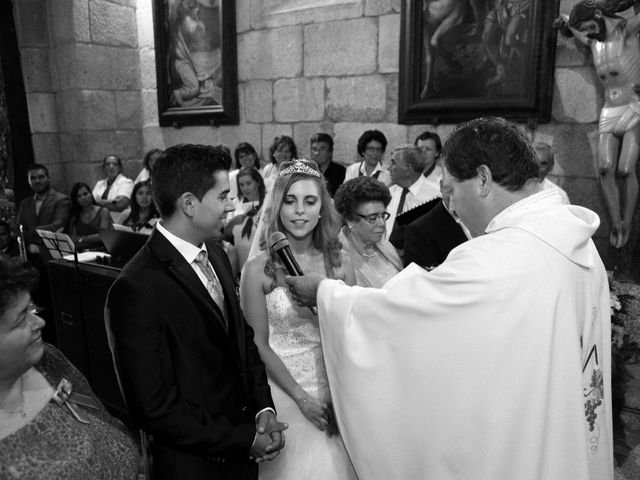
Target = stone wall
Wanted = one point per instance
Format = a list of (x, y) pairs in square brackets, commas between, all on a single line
[(81, 64), (303, 66)]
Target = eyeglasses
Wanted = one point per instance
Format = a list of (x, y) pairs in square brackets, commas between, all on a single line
[(34, 309), (374, 217)]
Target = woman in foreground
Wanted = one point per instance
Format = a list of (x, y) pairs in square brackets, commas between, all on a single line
[(51, 424)]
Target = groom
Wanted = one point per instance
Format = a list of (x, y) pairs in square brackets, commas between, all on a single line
[(190, 371), (494, 365)]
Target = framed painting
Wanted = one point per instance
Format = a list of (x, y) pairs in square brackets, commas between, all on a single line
[(196, 62), (460, 59)]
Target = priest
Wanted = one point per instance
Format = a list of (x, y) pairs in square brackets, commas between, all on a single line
[(496, 364)]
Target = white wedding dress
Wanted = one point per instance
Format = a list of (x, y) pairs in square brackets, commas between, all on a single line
[(309, 454)]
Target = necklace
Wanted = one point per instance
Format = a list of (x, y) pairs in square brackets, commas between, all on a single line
[(368, 255), (20, 409)]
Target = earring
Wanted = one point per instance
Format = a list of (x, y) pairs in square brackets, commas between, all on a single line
[(350, 226), (319, 216)]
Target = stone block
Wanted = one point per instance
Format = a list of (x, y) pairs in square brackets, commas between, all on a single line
[(341, 48), (153, 137), (46, 148), (150, 108), (361, 99), (58, 175), (298, 100), (577, 95), (144, 22), (31, 22), (380, 7), (148, 77), (245, 132), (392, 98), (243, 15), (269, 132), (303, 131), (36, 70), (270, 54), (112, 24), (347, 135), (275, 13), (258, 101), (69, 20), (42, 112), (128, 109), (98, 67), (87, 110), (389, 43), (575, 149), (205, 135), (570, 53)]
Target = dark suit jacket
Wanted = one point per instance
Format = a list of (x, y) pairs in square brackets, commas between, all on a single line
[(429, 239), (334, 177), (53, 215), (191, 385)]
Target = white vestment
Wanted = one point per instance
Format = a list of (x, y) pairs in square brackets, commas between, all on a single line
[(482, 368)]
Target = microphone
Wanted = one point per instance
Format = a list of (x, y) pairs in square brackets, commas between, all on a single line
[(280, 245)]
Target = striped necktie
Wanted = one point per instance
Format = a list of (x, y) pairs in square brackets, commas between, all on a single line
[(213, 284)]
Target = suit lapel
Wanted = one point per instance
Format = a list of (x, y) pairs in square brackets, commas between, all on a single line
[(183, 273)]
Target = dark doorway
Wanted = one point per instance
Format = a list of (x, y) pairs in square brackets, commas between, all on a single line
[(16, 148)]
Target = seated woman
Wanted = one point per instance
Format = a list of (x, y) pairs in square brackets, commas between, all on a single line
[(361, 202), (86, 218), (143, 215), (248, 205), (287, 335), (245, 156), (147, 165), (114, 191), (48, 432), (283, 149)]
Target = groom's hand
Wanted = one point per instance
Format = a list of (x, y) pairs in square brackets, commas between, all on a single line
[(304, 288), (269, 437)]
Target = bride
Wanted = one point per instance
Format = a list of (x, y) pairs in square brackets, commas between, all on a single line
[(287, 335)]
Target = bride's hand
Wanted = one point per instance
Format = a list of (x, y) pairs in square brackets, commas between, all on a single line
[(316, 411)]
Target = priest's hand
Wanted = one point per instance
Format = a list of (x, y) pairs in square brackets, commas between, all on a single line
[(304, 288)]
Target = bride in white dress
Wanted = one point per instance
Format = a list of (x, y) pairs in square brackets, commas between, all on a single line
[(287, 335)]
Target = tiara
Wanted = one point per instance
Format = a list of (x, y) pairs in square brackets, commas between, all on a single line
[(300, 166)]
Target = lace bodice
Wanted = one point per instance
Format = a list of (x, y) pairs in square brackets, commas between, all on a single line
[(294, 335)]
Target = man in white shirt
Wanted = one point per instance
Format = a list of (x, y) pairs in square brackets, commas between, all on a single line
[(410, 190), (371, 147), (191, 373), (495, 365), (546, 162)]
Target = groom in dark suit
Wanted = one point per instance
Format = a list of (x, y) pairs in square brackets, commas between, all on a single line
[(190, 371)]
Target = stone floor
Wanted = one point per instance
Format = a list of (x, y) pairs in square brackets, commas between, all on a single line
[(626, 448)]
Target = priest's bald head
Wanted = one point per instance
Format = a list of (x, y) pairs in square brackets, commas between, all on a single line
[(489, 165)]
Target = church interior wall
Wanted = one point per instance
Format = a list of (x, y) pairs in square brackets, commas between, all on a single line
[(303, 67)]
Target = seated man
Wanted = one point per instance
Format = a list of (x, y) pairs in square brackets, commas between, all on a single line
[(322, 154), (544, 152), (410, 191)]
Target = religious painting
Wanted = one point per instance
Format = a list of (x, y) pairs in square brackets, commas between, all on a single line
[(460, 59), (196, 62)]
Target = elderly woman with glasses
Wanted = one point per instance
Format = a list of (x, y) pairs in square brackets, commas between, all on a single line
[(362, 202), (51, 424)]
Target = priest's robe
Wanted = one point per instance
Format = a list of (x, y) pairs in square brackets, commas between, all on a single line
[(493, 366)]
